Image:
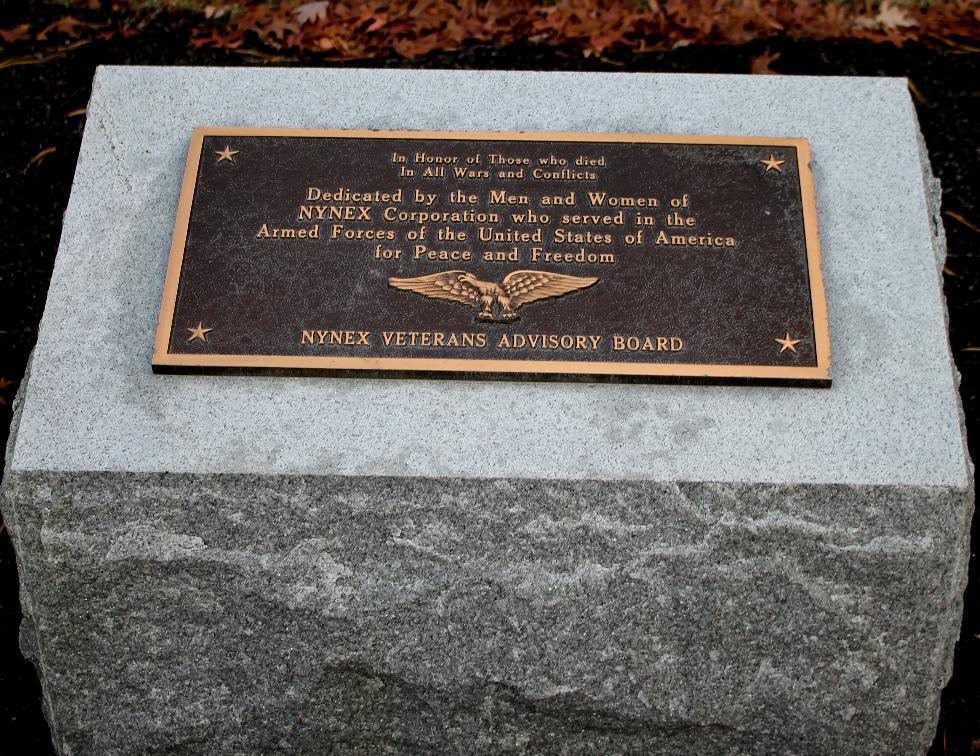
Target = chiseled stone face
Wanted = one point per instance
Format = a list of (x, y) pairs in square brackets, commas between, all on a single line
[(240, 565)]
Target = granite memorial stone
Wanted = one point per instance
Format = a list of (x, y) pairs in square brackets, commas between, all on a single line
[(255, 564)]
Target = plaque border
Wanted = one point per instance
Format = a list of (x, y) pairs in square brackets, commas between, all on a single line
[(819, 375)]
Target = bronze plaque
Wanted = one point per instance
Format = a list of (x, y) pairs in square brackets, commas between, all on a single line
[(483, 253)]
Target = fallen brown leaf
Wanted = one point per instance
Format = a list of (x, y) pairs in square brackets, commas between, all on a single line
[(16, 34), (214, 11), (957, 217), (68, 26), (30, 60), (893, 17), (762, 64), (38, 159), (279, 26), (380, 20), (889, 18), (919, 97), (308, 13)]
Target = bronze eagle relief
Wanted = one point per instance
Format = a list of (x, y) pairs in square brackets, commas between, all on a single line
[(497, 303)]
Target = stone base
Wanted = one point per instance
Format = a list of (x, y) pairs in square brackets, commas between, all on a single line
[(248, 565), (242, 614)]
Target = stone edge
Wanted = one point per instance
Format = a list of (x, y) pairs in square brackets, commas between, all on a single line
[(29, 644), (932, 189)]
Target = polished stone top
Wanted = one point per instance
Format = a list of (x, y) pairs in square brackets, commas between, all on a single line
[(891, 417)]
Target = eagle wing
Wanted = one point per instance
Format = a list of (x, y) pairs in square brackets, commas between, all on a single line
[(445, 285), (523, 286)]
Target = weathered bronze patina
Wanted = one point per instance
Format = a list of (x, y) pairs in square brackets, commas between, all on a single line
[(629, 255)]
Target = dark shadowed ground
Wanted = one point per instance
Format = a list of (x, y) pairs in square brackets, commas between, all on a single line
[(41, 108)]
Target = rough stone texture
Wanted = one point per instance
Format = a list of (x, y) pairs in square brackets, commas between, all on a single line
[(247, 565)]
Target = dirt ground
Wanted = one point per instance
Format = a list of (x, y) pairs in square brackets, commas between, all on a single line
[(41, 121)]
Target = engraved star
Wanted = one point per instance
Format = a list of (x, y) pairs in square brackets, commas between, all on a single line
[(788, 343), (199, 333), (772, 163), (226, 154)]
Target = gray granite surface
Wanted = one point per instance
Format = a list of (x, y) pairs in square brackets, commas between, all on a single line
[(258, 565), (95, 405)]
